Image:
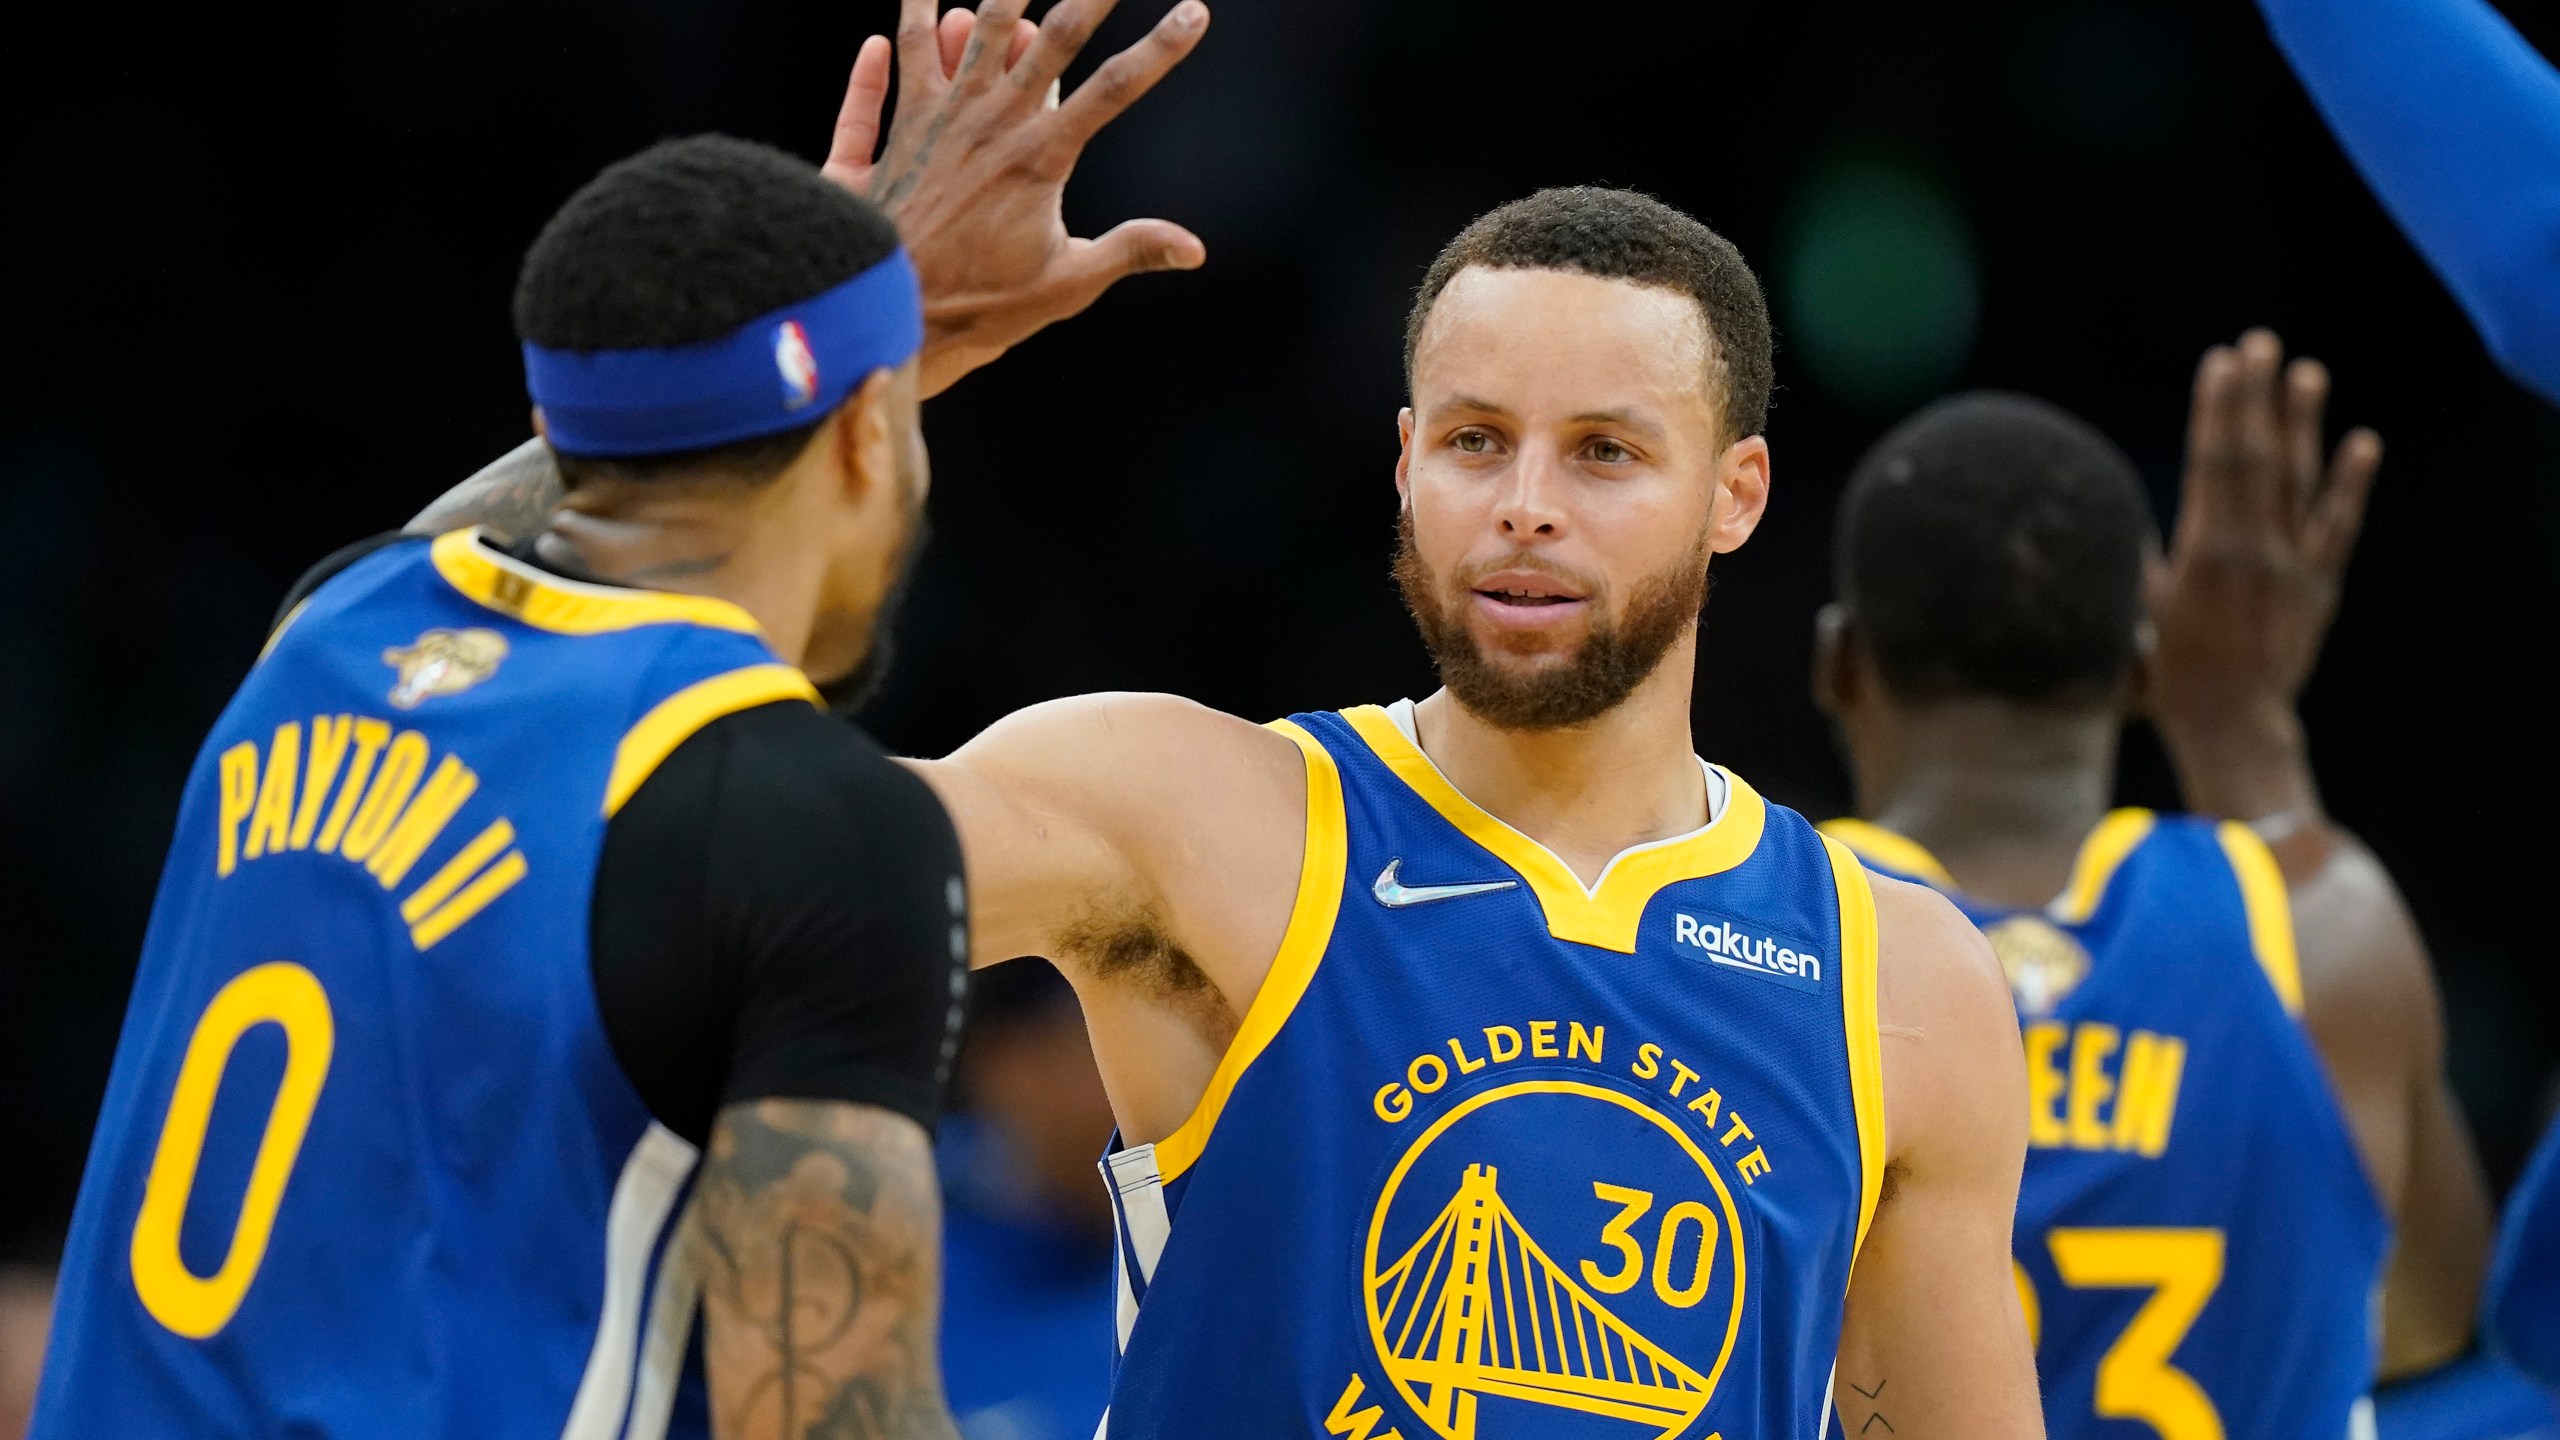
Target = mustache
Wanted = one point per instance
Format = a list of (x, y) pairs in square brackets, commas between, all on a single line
[(1466, 576)]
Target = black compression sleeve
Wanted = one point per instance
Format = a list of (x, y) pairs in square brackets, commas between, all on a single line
[(779, 913)]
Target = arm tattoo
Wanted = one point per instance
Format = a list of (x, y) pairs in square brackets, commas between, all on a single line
[(819, 1231), (510, 495)]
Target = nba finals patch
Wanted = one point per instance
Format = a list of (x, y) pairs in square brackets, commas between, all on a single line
[(2042, 961), (1512, 1294), (443, 662)]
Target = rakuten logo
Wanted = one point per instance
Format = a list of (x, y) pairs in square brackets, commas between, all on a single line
[(1761, 955)]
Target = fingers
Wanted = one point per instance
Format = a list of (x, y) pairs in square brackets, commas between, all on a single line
[(2338, 516), (2213, 424), (2259, 438), (1064, 32), (952, 37), (858, 119), (2306, 405), (990, 40), (1133, 72), (920, 70), (959, 24), (1132, 247)]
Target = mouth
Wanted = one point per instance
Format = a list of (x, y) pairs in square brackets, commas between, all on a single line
[(1526, 600)]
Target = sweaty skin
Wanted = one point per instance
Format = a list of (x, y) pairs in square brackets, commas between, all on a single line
[(1561, 440)]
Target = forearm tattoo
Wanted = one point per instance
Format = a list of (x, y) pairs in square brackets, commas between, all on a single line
[(819, 1228), (511, 495)]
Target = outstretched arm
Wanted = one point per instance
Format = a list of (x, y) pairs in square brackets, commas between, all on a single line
[(819, 1243), (2241, 605), (2455, 122), (974, 173), (1933, 1343)]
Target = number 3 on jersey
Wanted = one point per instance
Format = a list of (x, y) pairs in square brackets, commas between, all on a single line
[(280, 993), (2135, 1381)]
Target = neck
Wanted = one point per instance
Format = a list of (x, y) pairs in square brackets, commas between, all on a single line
[(2002, 794), (696, 542), (1586, 791)]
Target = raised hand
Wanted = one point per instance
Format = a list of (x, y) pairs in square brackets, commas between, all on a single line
[(2244, 598), (978, 159)]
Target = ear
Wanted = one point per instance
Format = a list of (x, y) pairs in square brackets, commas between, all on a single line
[(1836, 680), (866, 440), (2146, 644), (1742, 493), (1404, 457)]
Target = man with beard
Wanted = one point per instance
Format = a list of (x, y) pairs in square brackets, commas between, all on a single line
[(1493, 1066), (536, 969)]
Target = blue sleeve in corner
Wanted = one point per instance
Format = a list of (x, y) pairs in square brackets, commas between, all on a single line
[(2522, 1303), (2455, 122)]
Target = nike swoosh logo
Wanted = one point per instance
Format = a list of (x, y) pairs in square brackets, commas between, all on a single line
[(1391, 893)]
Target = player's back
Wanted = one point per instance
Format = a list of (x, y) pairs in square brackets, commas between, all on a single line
[(2198, 1244), (366, 1164)]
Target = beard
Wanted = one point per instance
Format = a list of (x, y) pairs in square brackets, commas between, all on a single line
[(1612, 660), (858, 687)]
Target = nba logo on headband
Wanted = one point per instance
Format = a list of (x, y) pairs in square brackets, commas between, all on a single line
[(798, 364)]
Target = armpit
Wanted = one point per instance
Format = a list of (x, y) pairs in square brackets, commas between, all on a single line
[(1124, 942)]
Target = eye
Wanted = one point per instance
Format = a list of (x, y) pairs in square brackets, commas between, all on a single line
[(1608, 451), (1471, 441)]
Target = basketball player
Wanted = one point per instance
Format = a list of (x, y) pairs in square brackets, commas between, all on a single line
[(1491, 1066), (535, 966), (2234, 1049)]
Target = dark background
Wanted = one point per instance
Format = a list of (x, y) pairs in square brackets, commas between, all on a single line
[(257, 273)]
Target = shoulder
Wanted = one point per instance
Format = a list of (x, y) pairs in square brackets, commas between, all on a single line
[(1953, 1068), (787, 779), (1120, 749), (337, 562)]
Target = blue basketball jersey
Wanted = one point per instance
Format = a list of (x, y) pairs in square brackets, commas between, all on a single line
[(367, 1165), (1497, 1155), (2198, 1246), (2522, 1303)]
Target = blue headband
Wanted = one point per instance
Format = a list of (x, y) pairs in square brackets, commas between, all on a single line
[(774, 372)]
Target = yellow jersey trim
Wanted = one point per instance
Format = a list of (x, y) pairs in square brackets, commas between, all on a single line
[(2264, 896), (2100, 856), (1604, 915), (282, 626), (1858, 1014), (646, 745), (569, 607), (1327, 852), (1892, 852)]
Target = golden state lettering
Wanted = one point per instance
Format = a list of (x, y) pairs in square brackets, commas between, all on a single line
[(2092, 1087), (351, 787), (1429, 1074)]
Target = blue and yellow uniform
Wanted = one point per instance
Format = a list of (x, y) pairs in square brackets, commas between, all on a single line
[(1497, 1155), (2198, 1245), (2522, 1302), (367, 1165)]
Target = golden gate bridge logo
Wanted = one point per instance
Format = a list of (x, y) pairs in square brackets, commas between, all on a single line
[(1477, 1308)]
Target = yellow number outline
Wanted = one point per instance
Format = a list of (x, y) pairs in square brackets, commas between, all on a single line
[(1710, 1234), (279, 993), (1614, 1234), (2182, 1268)]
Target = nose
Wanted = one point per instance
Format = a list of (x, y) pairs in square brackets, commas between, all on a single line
[(1532, 505)]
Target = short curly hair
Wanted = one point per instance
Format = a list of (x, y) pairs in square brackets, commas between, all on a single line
[(1992, 545), (1623, 235)]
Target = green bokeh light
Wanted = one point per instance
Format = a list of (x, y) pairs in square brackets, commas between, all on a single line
[(1880, 285)]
